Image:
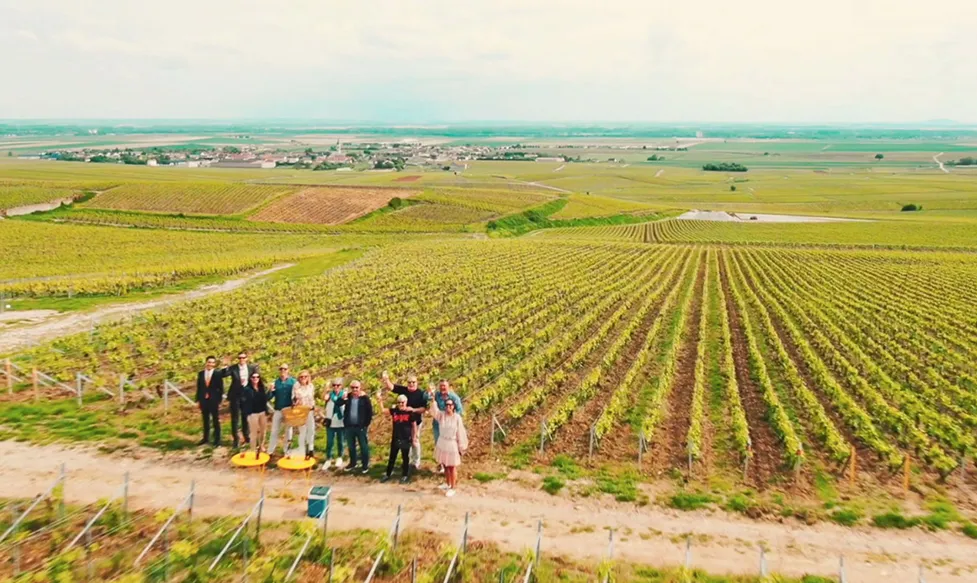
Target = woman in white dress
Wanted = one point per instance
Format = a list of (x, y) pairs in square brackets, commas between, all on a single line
[(303, 395), (452, 443)]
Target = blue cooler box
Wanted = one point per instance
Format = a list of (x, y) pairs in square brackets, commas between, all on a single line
[(318, 500)]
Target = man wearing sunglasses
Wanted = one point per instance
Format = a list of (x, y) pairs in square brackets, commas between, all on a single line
[(417, 401), (210, 393), (282, 394), (240, 377)]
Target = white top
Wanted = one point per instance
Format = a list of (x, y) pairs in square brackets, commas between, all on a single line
[(304, 395), (242, 371)]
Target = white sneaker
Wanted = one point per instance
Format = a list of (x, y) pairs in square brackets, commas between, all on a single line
[(440, 469), (449, 493), (443, 487), (417, 466), (340, 463), (325, 465)]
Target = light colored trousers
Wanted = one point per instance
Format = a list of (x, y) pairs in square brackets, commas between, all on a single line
[(276, 429), (415, 448), (258, 423), (307, 434)]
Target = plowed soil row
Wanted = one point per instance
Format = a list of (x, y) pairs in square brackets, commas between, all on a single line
[(670, 442), (767, 454), (328, 205)]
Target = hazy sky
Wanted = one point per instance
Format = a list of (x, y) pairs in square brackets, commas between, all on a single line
[(424, 60)]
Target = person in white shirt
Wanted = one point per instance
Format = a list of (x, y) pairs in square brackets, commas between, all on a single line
[(303, 395)]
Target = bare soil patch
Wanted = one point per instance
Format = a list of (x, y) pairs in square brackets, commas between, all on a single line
[(411, 178), (328, 205)]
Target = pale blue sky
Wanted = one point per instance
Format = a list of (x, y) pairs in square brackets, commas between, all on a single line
[(562, 60)]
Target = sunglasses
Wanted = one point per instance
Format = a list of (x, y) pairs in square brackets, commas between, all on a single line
[(254, 376)]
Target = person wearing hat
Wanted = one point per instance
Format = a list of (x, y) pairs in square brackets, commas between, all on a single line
[(402, 438), (281, 393)]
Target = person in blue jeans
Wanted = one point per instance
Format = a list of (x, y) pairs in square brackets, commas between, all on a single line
[(442, 396), (357, 416)]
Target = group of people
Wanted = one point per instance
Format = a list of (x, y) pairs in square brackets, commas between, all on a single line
[(346, 413)]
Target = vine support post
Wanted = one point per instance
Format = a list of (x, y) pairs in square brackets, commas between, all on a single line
[(610, 544), (9, 374), (495, 420), (332, 563), (193, 494), (464, 536), (37, 391), (842, 576), (88, 555), (688, 553), (539, 543), (413, 570), (593, 438), (922, 579), (397, 525), (63, 478), (125, 494), (763, 563), (261, 506), (79, 387), (542, 435), (122, 388)]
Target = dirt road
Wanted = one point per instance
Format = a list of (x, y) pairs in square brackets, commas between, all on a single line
[(936, 159), (507, 513), (47, 325)]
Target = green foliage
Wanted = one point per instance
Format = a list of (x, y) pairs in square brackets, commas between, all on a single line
[(553, 484), (969, 529), (911, 207), (395, 202), (894, 520), (732, 188), (690, 500), (484, 477), (566, 466), (846, 516), (879, 156), (724, 167)]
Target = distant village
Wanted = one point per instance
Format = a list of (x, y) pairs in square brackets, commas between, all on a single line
[(337, 157)]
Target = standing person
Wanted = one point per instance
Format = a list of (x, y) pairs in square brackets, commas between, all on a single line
[(441, 398), (404, 432), (254, 404), (452, 444), (240, 375), (335, 426), (358, 414), (303, 395), (282, 392), (416, 399), (210, 393)]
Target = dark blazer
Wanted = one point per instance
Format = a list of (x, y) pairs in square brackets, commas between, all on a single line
[(231, 372), (210, 396), (364, 411)]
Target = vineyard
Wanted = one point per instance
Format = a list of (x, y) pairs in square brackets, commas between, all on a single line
[(774, 364), (494, 201), (206, 198), (882, 234), (15, 196), (44, 259), (328, 206), (582, 206)]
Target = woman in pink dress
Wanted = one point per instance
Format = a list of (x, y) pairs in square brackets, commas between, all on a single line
[(452, 443)]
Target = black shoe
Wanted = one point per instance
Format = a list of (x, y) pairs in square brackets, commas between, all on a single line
[(349, 468), (365, 471), (405, 480), (203, 442), (385, 479)]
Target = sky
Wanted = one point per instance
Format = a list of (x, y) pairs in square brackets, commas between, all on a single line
[(417, 61)]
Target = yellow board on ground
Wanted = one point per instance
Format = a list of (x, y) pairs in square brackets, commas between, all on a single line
[(247, 459), (296, 463)]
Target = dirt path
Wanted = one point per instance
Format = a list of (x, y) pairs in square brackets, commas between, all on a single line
[(506, 513), (936, 159), (56, 325), (659, 173)]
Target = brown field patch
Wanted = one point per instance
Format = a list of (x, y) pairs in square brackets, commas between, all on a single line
[(328, 205), (411, 178)]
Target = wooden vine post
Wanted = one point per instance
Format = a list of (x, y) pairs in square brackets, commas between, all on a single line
[(853, 467), (37, 391), (905, 476)]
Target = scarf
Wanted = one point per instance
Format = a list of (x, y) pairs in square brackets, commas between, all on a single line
[(337, 411)]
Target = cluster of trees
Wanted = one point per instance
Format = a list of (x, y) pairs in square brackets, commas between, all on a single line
[(879, 156), (911, 207), (655, 158), (724, 167), (965, 161), (390, 163)]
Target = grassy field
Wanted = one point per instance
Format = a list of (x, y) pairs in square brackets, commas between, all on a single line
[(202, 198)]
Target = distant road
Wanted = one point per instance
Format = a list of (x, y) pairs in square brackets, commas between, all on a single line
[(936, 159)]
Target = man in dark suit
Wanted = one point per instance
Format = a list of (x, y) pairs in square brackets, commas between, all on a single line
[(240, 375), (210, 392)]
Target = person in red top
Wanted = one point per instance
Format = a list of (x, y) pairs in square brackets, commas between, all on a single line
[(403, 437)]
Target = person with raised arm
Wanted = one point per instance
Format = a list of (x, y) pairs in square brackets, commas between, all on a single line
[(441, 398), (210, 393), (452, 444), (404, 432), (282, 398), (357, 416), (416, 400)]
